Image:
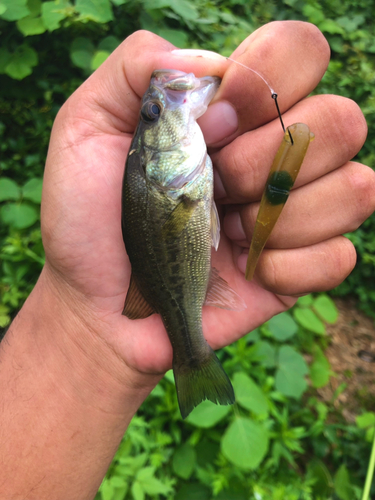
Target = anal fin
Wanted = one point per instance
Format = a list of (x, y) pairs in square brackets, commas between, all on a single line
[(136, 306), (220, 294)]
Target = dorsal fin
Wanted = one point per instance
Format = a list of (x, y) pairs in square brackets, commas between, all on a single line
[(220, 294), (136, 306)]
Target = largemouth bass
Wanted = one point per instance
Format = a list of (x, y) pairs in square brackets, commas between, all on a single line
[(169, 222)]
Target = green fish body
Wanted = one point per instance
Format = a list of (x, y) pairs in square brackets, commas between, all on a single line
[(169, 223)]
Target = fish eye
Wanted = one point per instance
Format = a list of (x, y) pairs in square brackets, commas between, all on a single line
[(151, 111)]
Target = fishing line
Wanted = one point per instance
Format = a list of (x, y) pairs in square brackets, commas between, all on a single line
[(273, 94)]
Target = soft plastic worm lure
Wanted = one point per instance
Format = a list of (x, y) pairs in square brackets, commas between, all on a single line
[(283, 173)]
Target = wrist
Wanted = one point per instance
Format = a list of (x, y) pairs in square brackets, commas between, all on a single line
[(67, 400)]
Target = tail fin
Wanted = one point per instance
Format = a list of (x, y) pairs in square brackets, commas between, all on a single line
[(207, 380)]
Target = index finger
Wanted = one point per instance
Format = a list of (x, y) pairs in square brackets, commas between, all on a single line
[(292, 56)]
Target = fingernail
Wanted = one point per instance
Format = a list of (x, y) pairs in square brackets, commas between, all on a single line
[(219, 121), (197, 53), (233, 226)]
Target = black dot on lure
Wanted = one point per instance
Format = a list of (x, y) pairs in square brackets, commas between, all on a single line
[(278, 187)]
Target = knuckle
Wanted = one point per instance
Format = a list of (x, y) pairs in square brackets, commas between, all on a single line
[(354, 127), (340, 262), (238, 173), (361, 181), (271, 274)]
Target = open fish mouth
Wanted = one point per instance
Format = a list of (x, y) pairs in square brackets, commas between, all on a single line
[(174, 80), (181, 88)]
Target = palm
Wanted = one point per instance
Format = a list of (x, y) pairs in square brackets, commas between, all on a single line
[(89, 252)]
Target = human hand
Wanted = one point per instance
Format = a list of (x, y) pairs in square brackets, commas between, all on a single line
[(86, 262)]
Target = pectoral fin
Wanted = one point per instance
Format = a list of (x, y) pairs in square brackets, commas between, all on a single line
[(136, 306), (220, 294), (179, 217), (215, 226)]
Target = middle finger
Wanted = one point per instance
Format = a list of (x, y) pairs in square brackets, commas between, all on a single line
[(337, 203)]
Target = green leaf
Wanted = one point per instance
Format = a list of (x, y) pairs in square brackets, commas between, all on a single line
[(309, 320), (4, 316), (109, 44), (22, 62), (365, 420), (326, 308), (156, 4), (99, 11), (193, 491), (150, 484), (19, 216), (184, 460), (32, 190), (9, 189), (323, 484), (81, 52), (207, 451), (282, 326), (351, 23), (266, 353), (252, 336), (5, 56), (229, 18), (31, 26), (313, 13), (207, 414), (289, 378), (249, 395), (98, 59), (186, 10), (107, 490), (35, 7), (54, 12), (320, 369), (14, 9), (305, 301), (157, 392), (137, 491), (169, 376), (178, 38), (341, 481), (245, 443), (331, 26)]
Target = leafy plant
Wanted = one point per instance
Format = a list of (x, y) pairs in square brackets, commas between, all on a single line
[(280, 440), (21, 252)]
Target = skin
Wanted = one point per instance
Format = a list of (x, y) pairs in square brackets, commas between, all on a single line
[(73, 370)]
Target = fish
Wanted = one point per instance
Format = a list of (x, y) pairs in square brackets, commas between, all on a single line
[(169, 224)]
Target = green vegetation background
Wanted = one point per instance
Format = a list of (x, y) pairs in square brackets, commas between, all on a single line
[(279, 441)]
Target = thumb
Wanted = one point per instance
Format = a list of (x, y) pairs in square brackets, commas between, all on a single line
[(114, 90)]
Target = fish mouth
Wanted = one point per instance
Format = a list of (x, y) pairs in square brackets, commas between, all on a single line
[(174, 80), (178, 86)]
